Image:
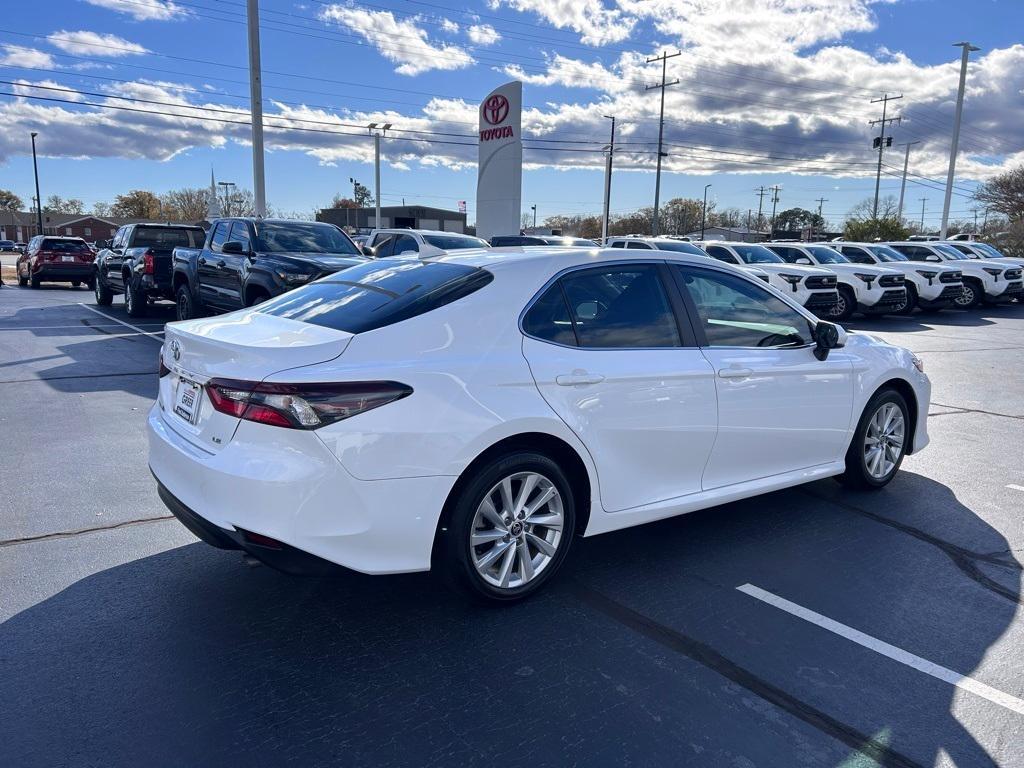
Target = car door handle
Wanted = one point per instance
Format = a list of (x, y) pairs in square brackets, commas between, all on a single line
[(577, 379), (222, 263), (735, 373)]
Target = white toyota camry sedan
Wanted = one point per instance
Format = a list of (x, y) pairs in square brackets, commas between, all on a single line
[(473, 413)]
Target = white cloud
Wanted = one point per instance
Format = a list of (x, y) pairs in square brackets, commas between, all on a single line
[(45, 88), (85, 43), (596, 24), (144, 10), (399, 41), (20, 56), (483, 34), (449, 26)]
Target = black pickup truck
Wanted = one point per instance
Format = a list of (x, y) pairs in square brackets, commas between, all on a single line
[(137, 263), (245, 261)]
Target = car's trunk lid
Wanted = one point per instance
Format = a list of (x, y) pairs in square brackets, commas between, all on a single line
[(244, 346)]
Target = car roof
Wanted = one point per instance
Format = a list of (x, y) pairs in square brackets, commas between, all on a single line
[(398, 230), (556, 258)]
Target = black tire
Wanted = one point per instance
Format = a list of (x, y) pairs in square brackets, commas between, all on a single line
[(76, 283), (184, 307), (972, 295), (845, 307), (104, 296), (33, 280), (257, 297), (454, 557), (22, 281), (908, 309), (134, 299), (858, 474)]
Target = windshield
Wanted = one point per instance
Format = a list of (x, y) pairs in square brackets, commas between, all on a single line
[(455, 242), (989, 251), (950, 251), (826, 255), (678, 247), (302, 237), (757, 254), (885, 253)]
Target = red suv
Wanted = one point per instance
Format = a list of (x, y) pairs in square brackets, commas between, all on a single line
[(56, 260)]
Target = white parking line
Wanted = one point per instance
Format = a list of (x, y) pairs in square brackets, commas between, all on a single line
[(1015, 487), (963, 682), (122, 322)]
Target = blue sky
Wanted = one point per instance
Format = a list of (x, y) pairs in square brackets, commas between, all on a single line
[(768, 88)]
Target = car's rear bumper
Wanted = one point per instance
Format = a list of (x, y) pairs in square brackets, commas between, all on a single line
[(286, 485), (63, 272)]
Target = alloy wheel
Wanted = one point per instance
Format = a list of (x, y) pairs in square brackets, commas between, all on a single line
[(516, 530), (966, 297), (839, 308), (883, 440)]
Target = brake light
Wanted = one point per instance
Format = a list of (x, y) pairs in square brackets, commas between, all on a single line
[(301, 406), (148, 264), (164, 370)]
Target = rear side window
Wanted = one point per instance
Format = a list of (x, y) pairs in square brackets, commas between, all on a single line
[(618, 244), (220, 236), (378, 293), (640, 246), (621, 307), (548, 318), (168, 237)]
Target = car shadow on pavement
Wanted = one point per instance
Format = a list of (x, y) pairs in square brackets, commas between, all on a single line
[(188, 657)]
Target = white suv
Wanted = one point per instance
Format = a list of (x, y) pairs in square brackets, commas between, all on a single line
[(929, 287), (418, 242), (674, 245), (987, 282), (474, 414), (813, 287), (871, 290)]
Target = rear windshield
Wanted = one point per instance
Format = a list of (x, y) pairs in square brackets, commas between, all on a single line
[(377, 294), (64, 246), (454, 242), (302, 237), (168, 237)]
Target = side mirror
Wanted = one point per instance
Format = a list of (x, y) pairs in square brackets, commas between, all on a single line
[(803, 260), (234, 246), (827, 336), (368, 251)]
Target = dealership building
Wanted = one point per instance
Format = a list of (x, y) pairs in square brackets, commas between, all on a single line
[(409, 216)]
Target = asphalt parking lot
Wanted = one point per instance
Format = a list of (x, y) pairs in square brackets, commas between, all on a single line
[(813, 626)]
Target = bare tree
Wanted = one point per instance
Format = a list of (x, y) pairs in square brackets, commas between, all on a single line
[(58, 204), (101, 209), (1004, 194), (186, 204)]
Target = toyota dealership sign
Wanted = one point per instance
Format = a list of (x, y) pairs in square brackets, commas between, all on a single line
[(500, 171)]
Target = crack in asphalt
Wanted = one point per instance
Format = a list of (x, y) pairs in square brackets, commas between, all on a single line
[(703, 654), (80, 531), (978, 410), (964, 559), (79, 376)]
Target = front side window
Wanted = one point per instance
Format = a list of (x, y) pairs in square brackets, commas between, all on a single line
[(950, 251), (826, 255), (621, 307), (789, 254), (756, 254), (917, 252), (856, 255), (240, 234), (735, 312), (885, 253)]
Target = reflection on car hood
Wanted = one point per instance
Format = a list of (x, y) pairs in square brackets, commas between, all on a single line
[(323, 261)]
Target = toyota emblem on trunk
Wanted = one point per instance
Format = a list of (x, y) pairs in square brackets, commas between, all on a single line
[(176, 350), (495, 109)]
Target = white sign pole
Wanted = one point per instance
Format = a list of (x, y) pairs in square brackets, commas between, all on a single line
[(499, 185)]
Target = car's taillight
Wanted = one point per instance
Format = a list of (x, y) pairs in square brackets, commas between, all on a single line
[(301, 406), (148, 262), (164, 370)]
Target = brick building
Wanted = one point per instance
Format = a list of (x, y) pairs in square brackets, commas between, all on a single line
[(21, 225)]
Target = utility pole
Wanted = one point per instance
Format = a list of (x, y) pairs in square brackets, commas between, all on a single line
[(704, 212), (821, 203), (923, 201), (608, 183), (256, 108), (39, 200), (775, 200), (903, 184), (227, 195), (967, 48), (761, 192), (975, 212), (661, 129), (879, 142), (372, 127)]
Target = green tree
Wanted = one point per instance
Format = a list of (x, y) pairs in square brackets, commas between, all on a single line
[(862, 224), (10, 201), (137, 204), (794, 219)]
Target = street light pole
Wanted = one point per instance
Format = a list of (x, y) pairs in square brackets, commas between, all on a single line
[(967, 48), (227, 195), (534, 208), (39, 200), (704, 212), (608, 183), (256, 107), (372, 127), (903, 184)]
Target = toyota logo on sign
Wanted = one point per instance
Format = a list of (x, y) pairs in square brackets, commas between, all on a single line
[(495, 109)]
